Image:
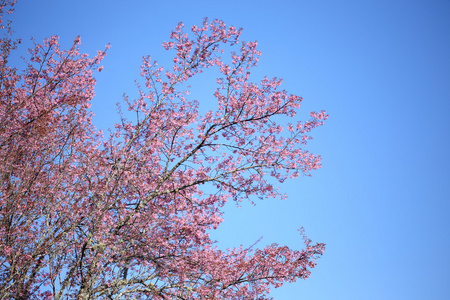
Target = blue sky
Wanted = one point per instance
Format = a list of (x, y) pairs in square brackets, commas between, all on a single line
[(382, 71)]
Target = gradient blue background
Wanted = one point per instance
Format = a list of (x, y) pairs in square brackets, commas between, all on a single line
[(382, 71)]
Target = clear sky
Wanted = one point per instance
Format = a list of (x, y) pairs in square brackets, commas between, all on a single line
[(380, 68)]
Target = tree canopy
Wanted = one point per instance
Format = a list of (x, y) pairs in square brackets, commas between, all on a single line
[(128, 216)]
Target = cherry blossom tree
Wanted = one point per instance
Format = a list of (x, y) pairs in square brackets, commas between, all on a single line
[(128, 216)]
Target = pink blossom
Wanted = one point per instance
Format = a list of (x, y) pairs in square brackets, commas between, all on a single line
[(131, 213)]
